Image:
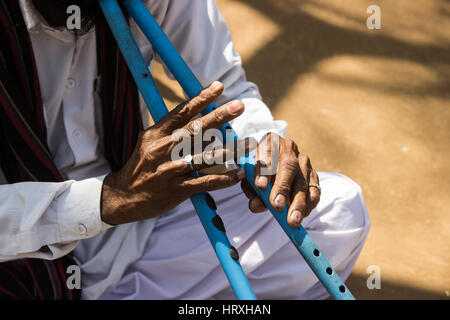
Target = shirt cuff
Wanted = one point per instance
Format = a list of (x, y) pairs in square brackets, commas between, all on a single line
[(278, 126), (79, 210)]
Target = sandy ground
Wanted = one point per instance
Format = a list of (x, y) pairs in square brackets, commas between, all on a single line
[(371, 104)]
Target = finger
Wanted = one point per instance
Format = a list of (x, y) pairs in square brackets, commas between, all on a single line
[(302, 203), (213, 182), (212, 157), (164, 146), (298, 208), (306, 168), (314, 193), (255, 204), (247, 189), (264, 172), (184, 112), (217, 118), (288, 167), (231, 151), (192, 163)]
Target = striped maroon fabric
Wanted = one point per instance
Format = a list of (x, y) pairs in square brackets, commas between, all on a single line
[(25, 155)]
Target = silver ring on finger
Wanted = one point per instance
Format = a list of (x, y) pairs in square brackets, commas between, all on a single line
[(315, 185)]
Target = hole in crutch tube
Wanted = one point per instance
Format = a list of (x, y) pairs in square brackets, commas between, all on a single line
[(329, 271), (342, 288), (234, 254), (218, 223), (145, 74), (210, 201), (316, 252)]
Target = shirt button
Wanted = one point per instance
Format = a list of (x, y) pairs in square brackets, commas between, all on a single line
[(70, 83), (76, 134), (82, 228)]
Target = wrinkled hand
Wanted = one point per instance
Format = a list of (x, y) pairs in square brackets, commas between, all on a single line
[(151, 183), (291, 183)]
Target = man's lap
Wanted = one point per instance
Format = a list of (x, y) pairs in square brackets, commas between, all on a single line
[(178, 261)]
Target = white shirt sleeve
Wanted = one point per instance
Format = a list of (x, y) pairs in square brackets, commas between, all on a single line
[(199, 32), (46, 220)]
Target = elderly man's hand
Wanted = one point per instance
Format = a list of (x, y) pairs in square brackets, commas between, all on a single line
[(291, 184), (151, 183)]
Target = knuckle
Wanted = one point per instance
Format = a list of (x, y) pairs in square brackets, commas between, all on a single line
[(178, 165), (208, 183), (290, 163), (204, 95), (147, 152), (289, 143), (303, 159), (213, 183), (218, 115), (284, 189), (189, 128), (183, 111)]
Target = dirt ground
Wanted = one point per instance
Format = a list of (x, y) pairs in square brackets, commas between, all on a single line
[(371, 104)]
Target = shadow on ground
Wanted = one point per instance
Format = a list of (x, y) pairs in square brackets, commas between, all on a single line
[(389, 291), (305, 41)]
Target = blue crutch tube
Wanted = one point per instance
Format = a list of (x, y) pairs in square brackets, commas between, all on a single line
[(203, 202), (190, 84)]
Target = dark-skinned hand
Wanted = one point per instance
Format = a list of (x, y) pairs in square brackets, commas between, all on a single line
[(294, 174)]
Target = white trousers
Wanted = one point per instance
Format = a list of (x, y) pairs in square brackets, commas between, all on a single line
[(179, 263)]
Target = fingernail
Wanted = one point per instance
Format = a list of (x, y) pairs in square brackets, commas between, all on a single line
[(280, 200), (216, 86), (241, 174), (262, 180), (296, 216), (235, 106)]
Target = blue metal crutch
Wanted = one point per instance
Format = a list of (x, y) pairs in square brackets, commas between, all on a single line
[(300, 238)]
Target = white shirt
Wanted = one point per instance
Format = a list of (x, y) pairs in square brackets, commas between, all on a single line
[(47, 220)]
